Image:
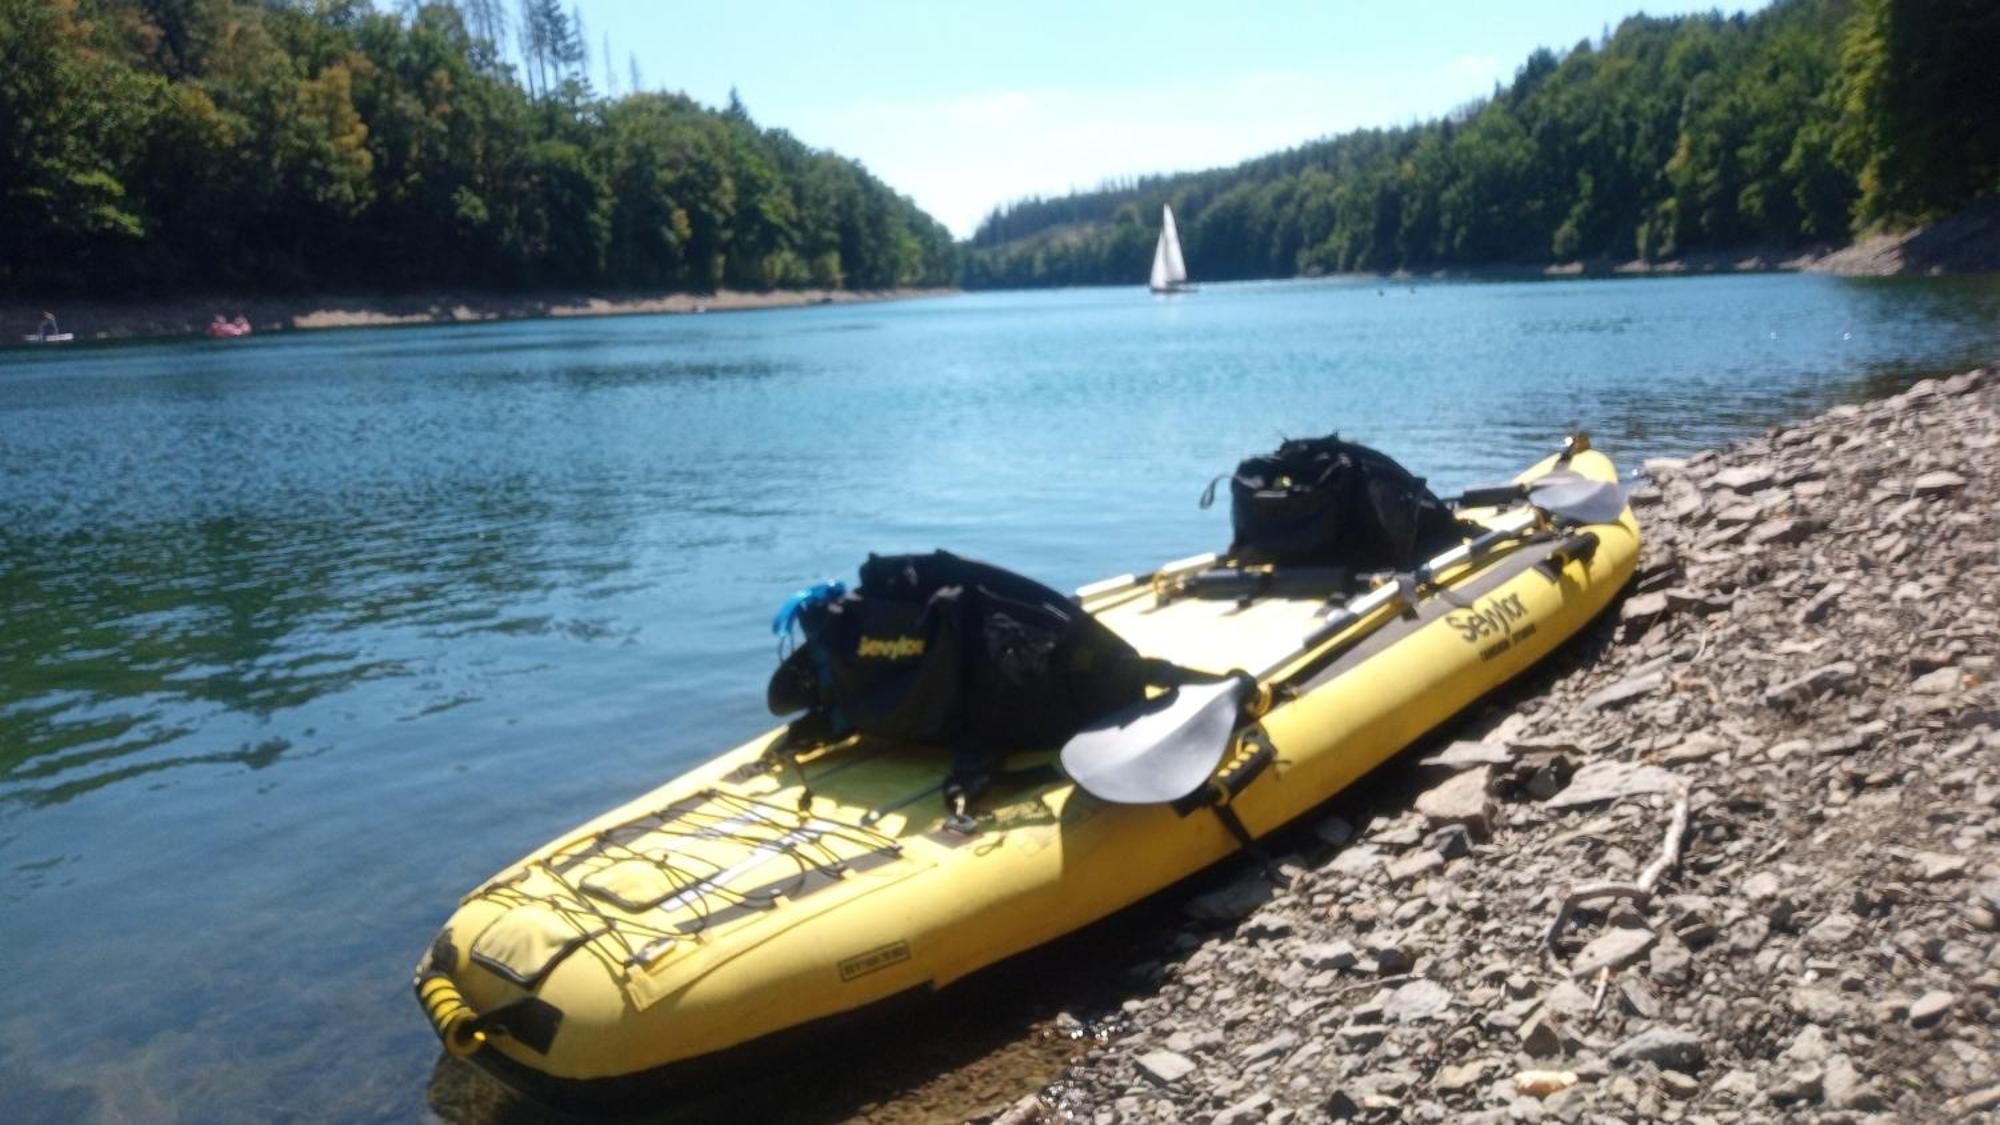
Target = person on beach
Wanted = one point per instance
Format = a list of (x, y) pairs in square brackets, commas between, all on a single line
[(48, 326)]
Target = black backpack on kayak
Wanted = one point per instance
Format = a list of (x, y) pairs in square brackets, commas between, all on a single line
[(944, 651), (1324, 502)]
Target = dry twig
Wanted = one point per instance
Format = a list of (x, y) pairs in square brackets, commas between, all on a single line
[(1640, 890)]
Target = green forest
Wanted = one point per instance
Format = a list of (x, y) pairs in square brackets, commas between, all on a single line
[(150, 146), (1799, 125)]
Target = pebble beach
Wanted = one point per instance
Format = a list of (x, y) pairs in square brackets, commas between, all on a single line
[(1734, 855)]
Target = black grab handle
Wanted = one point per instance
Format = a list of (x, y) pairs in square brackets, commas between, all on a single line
[(1239, 774), (1491, 495)]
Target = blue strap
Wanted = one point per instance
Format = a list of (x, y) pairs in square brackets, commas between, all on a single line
[(788, 614)]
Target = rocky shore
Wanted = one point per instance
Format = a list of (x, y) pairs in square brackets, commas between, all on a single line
[(1778, 763), (189, 316)]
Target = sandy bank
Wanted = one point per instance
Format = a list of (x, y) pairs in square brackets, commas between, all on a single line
[(101, 320)]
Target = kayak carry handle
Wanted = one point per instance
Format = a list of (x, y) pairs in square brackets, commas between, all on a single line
[(1237, 775), (451, 1017)]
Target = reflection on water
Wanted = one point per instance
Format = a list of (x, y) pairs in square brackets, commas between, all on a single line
[(303, 635)]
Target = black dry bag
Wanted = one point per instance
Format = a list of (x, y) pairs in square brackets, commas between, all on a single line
[(1324, 502), (942, 650)]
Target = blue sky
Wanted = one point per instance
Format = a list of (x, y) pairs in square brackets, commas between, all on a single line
[(963, 107)]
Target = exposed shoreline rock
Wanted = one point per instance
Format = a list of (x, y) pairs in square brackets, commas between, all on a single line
[(189, 316), (1825, 699)]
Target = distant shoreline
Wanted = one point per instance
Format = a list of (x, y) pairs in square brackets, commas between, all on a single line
[(1965, 243), (190, 316)]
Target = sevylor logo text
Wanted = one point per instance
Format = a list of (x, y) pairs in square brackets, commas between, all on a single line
[(890, 648)]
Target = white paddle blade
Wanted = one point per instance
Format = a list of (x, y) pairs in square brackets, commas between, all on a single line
[(1158, 751), (1576, 497)]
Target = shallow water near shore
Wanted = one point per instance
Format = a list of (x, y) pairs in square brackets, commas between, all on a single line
[(306, 634)]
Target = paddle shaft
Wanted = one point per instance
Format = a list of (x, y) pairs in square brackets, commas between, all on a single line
[(1392, 592)]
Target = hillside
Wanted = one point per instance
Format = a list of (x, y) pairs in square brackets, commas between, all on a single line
[(1669, 138), (151, 149)]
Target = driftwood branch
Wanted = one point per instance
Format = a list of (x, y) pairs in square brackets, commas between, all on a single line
[(1640, 890)]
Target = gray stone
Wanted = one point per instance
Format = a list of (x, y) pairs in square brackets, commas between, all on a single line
[(1832, 933), (1250, 1111), (1234, 902), (1453, 841), (1388, 955), (1942, 681), (1539, 1039), (1464, 1076), (1736, 1086), (1164, 1067), (1979, 1101), (1799, 1084), (1761, 887), (1615, 950), (1465, 755), (1417, 1000), (1701, 603), (1939, 865), (1826, 680), (1566, 999), (1670, 961), (1820, 604), (1667, 1047), (1820, 1005), (1737, 515), (1639, 1000), (1679, 1085), (1943, 482), (1743, 478), (1357, 860), (1643, 607), (1270, 922), (1697, 747), (1608, 781), (1415, 866), (1334, 831), (1844, 1088), (1808, 1046), (1465, 799), (1931, 1007), (1329, 955), (1271, 1048), (1357, 1036), (1625, 691), (1785, 531)]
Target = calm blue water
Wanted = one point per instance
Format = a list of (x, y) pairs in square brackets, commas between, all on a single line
[(304, 635)]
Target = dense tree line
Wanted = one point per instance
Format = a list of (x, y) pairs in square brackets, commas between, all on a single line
[(154, 145), (1799, 124)]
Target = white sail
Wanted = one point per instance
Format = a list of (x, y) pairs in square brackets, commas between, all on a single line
[(1169, 270)]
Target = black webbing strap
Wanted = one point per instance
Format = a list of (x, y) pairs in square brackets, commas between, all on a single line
[(1223, 788)]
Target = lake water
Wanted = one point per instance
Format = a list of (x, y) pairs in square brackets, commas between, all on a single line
[(301, 636)]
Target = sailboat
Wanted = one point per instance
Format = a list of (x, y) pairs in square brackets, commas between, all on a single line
[(1169, 270)]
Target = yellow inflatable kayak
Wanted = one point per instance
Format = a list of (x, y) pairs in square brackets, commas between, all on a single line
[(755, 901)]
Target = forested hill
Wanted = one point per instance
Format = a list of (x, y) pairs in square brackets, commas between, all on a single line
[(152, 146), (1799, 124)]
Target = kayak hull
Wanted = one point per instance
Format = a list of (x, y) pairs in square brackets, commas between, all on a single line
[(799, 893)]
